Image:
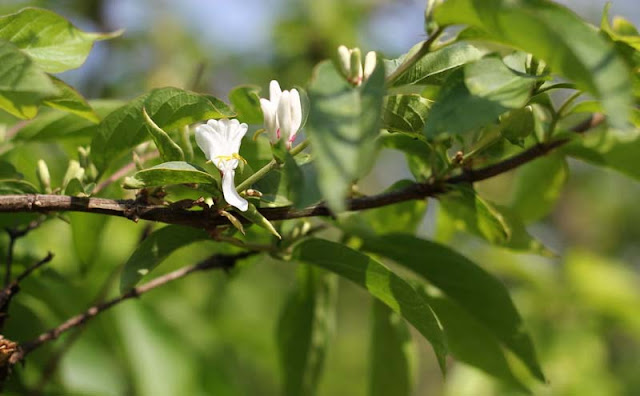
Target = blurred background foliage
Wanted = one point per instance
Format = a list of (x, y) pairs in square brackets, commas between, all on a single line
[(214, 333)]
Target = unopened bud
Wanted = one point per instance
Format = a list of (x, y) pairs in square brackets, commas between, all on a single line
[(344, 59), (42, 172), (252, 193), (83, 156), (355, 72), (369, 64), (74, 171)]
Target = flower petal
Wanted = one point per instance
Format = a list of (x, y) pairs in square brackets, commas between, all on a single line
[(206, 140), (344, 56), (270, 119), (274, 92), (229, 191), (296, 113), (369, 63), (284, 115)]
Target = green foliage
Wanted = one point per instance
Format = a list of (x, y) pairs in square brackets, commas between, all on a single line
[(343, 124), (483, 350), (174, 172), (476, 95), (467, 284), (436, 66), (68, 99), (22, 84), (169, 150), (50, 40), (246, 103), (501, 97), (9, 186), (87, 232), (538, 186), (155, 249), (380, 282), (257, 218), (170, 108), (304, 330), (610, 149), (405, 113), (392, 356), (58, 126), (549, 31)]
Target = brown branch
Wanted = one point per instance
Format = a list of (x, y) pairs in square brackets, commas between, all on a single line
[(9, 291), (53, 363), (135, 210), (14, 235), (218, 261)]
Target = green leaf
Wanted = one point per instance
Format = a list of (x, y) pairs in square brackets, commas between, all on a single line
[(476, 96), (257, 218), (304, 330), (86, 231), (23, 85), (465, 210), (381, 283), (435, 67), (8, 171), (246, 103), (174, 172), (170, 108), (608, 148), (343, 124), (154, 249), (418, 153), (517, 124), (621, 31), (538, 186), (74, 188), (169, 150), (399, 217), (71, 101), (554, 34), (56, 125), (520, 237), (12, 186), (405, 113), (471, 342), (476, 291), (74, 172), (291, 175), (393, 354), (49, 39)]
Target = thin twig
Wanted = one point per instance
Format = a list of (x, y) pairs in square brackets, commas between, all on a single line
[(34, 267), (14, 235), (53, 363), (9, 291), (408, 63), (218, 261)]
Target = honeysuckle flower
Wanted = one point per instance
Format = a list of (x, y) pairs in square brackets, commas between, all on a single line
[(351, 64), (282, 113), (220, 141)]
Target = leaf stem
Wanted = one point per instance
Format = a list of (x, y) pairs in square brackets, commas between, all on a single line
[(273, 164), (407, 64), (557, 115)]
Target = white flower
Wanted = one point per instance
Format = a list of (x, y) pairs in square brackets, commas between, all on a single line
[(282, 113), (351, 64), (220, 141)]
